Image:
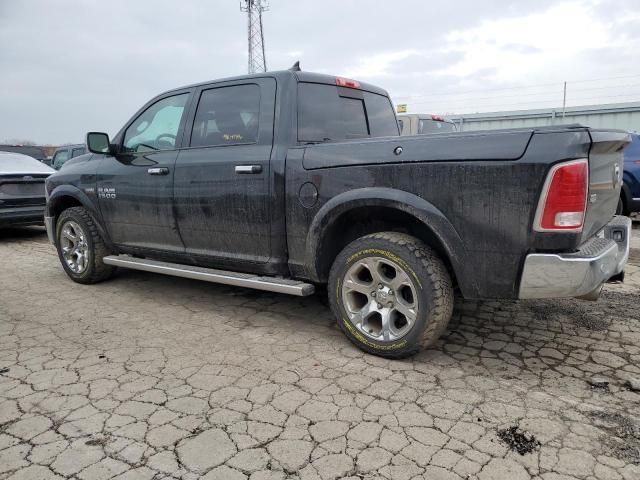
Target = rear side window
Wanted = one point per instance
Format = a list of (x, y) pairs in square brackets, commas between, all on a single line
[(227, 116), (327, 112)]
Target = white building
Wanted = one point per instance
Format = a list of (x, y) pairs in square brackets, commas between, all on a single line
[(624, 116)]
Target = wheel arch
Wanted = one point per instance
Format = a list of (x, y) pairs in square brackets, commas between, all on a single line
[(67, 196), (369, 210)]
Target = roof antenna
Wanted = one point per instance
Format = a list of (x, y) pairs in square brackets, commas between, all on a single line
[(296, 67)]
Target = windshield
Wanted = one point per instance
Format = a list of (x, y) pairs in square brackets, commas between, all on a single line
[(435, 126), (632, 152)]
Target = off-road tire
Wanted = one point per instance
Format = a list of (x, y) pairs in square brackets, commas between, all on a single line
[(434, 286), (96, 270)]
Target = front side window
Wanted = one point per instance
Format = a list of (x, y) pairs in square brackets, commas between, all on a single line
[(227, 116), (76, 152), (60, 157), (157, 127), (326, 112)]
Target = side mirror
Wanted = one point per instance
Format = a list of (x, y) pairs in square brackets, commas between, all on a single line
[(98, 142)]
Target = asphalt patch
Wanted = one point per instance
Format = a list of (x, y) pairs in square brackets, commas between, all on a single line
[(518, 440), (623, 435), (599, 385)]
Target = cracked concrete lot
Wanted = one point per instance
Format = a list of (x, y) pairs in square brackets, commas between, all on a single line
[(147, 376)]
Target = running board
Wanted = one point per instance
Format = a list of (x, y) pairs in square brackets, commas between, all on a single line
[(270, 284)]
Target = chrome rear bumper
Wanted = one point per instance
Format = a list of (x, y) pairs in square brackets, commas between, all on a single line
[(580, 273)]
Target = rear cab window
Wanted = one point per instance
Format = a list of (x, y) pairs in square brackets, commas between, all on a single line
[(329, 112)]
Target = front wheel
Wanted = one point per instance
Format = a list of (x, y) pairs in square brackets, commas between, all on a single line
[(391, 294), (81, 248)]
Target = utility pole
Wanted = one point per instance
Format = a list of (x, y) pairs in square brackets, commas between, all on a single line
[(257, 61), (564, 99)]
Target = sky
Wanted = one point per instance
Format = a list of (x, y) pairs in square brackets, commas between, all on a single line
[(70, 66)]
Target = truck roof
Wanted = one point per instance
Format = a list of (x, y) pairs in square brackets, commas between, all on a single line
[(300, 76)]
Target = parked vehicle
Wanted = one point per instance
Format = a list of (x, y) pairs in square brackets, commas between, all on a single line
[(31, 150), (419, 124), (22, 193), (274, 181), (630, 194), (67, 152)]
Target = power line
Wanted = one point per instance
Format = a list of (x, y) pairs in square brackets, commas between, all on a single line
[(455, 96), (521, 87), (451, 106)]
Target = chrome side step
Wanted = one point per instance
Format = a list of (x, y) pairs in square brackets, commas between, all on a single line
[(270, 284)]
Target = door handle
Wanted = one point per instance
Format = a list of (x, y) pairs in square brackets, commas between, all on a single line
[(158, 171), (248, 169)]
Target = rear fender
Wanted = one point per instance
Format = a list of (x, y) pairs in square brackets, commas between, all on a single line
[(422, 210)]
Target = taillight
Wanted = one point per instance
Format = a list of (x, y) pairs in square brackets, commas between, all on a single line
[(564, 198), (346, 82)]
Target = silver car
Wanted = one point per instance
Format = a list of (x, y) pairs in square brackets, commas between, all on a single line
[(22, 194)]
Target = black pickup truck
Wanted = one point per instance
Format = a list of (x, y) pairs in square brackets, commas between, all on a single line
[(285, 181)]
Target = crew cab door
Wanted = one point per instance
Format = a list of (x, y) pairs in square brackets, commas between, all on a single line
[(135, 187), (222, 178)]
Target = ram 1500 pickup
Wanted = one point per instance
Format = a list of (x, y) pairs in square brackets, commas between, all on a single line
[(285, 181)]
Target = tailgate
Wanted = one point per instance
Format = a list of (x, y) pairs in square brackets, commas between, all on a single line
[(605, 178)]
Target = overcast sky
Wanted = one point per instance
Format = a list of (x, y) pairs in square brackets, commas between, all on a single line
[(68, 66)]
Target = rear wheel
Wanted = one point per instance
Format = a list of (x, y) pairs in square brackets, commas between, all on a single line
[(81, 248), (391, 294), (621, 209)]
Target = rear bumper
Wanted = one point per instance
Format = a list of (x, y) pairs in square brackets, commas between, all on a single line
[(580, 273), (31, 215)]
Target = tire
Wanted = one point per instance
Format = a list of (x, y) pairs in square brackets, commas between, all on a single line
[(409, 285), (620, 209), (77, 221)]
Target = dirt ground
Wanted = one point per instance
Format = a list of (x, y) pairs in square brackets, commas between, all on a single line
[(148, 376)]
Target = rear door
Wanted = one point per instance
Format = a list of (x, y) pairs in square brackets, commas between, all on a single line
[(135, 187), (222, 193)]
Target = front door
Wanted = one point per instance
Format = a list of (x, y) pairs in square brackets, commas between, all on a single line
[(135, 187), (222, 179)]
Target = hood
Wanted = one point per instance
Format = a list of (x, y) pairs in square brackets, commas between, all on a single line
[(16, 164)]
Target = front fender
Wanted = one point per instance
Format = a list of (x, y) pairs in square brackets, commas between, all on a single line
[(417, 207), (63, 193)]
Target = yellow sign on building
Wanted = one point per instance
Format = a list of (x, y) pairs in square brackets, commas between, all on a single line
[(401, 108)]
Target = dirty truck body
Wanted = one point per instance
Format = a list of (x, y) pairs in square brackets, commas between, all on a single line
[(288, 180)]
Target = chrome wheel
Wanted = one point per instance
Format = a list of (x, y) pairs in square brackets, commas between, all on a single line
[(380, 298), (74, 247)]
